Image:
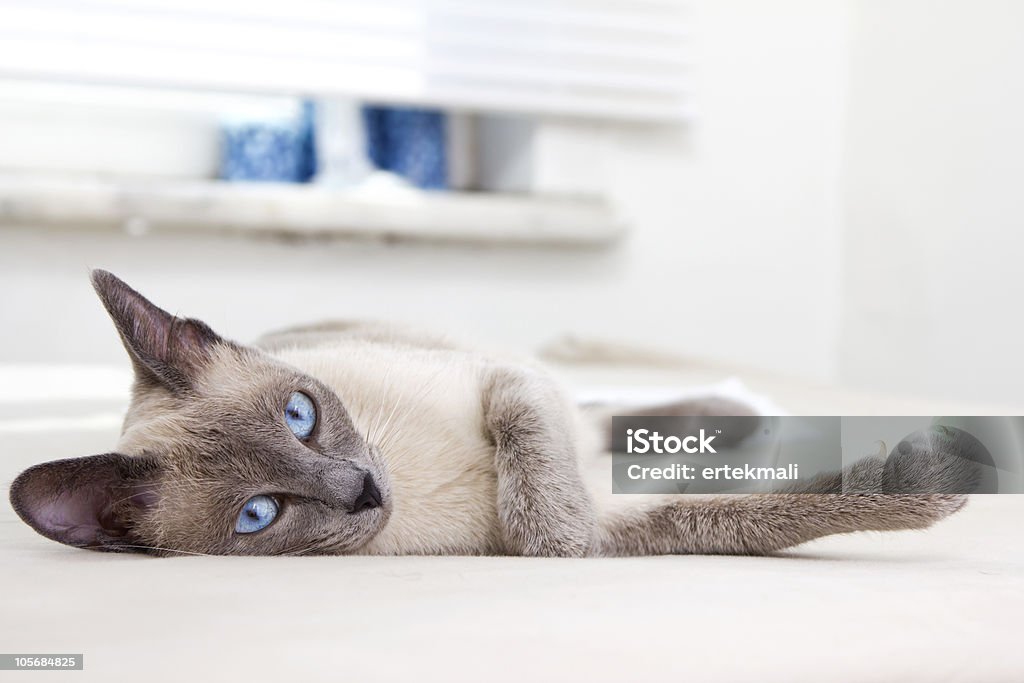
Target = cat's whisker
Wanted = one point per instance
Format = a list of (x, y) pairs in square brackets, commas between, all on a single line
[(299, 545), (391, 415), (181, 486), (380, 409), (166, 488), (424, 392), (388, 437), (166, 550), (306, 546), (398, 403)]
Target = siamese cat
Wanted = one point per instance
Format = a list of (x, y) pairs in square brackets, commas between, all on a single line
[(363, 439)]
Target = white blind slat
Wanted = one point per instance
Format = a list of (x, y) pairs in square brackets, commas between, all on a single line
[(566, 57)]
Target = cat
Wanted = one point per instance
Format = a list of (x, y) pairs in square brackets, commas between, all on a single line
[(368, 439)]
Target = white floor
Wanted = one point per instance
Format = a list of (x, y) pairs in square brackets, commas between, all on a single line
[(946, 604)]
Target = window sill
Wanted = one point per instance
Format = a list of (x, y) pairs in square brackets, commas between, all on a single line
[(139, 206)]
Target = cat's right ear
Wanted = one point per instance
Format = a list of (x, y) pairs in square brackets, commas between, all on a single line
[(92, 502), (164, 349)]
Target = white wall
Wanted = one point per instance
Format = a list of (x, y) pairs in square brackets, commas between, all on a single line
[(934, 181), (734, 254), (847, 205), (738, 215)]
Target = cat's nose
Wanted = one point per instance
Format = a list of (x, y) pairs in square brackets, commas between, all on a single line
[(369, 498)]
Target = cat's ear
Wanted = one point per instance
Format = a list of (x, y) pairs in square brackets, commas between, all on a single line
[(90, 502), (164, 348)]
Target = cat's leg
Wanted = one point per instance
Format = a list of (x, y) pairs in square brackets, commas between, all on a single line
[(543, 506), (858, 499)]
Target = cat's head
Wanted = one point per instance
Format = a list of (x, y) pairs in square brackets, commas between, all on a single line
[(225, 450)]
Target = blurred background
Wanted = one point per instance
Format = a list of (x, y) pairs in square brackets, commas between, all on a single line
[(827, 191)]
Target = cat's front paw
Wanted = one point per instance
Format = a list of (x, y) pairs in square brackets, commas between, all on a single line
[(936, 460)]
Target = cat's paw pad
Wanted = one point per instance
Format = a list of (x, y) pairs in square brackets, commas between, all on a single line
[(935, 460)]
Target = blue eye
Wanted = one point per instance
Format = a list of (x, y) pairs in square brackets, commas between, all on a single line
[(256, 514), (300, 414)]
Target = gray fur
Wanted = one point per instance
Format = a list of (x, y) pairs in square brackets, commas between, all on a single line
[(762, 524), (543, 505)]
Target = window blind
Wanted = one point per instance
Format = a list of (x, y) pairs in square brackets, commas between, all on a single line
[(615, 59)]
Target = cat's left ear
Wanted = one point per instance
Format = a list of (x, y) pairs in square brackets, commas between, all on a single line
[(92, 502), (164, 349)]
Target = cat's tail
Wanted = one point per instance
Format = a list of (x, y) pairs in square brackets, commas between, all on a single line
[(921, 482), (760, 524)]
